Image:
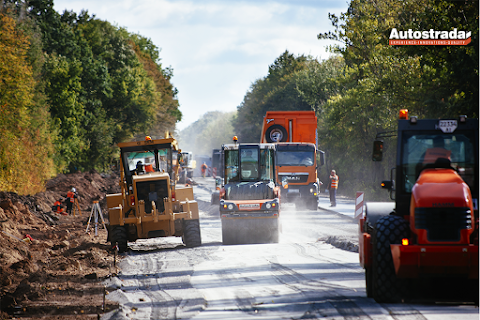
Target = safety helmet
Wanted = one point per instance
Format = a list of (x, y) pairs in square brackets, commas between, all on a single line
[(74, 190)]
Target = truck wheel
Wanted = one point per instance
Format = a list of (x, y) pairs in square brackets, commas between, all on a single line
[(276, 133), (118, 235), (191, 233), (386, 286), (313, 204)]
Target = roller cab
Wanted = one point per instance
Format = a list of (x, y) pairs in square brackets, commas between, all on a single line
[(249, 198)]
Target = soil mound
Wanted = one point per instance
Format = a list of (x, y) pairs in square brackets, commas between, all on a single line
[(49, 264)]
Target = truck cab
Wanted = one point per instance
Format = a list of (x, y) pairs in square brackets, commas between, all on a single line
[(297, 173), (295, 133)]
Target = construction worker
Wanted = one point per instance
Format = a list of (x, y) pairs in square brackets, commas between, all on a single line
[(180, 157), (149, 168), (333, 188), (204, 168), (70, 200), (57, 207), (140, 168)]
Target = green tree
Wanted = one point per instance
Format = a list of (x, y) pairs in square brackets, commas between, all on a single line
[(166, 110), (379, 79), (319, 81), (277, 91), (117, 90), (454, 87), (72, 86), (24, 144), (63, 91)]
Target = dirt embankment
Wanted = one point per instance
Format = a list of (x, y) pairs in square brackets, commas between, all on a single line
[(57, 274)]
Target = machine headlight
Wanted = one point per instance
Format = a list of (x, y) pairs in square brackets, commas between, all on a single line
[(270, 205), (230, 206), (311, 190)]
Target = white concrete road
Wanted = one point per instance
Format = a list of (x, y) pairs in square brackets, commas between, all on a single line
[(301, 277)]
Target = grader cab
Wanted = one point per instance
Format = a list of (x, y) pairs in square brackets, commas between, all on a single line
[(151, 204)]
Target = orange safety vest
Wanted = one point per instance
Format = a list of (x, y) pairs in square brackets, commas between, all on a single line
[(71, 196), (57, 206), (334, 184)]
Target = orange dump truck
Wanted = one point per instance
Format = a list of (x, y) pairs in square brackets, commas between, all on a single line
[(295, 133)]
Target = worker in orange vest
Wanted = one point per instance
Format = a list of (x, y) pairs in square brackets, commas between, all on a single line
[(333, 188), (57, 207), (70, 200), (204, 169)]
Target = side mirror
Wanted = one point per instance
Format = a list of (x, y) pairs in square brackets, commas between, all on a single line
[(377, 150), (321, 156)]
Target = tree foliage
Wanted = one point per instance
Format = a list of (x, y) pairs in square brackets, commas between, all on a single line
[(73, 86), (25, 145), (277, 91), (358, 92), (379, 79)]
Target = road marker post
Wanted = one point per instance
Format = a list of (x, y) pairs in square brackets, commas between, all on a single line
[(359, 205)]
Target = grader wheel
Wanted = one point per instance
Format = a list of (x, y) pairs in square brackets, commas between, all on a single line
[(191, 234), (119, 236)]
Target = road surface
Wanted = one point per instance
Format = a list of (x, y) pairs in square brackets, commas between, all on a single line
[(304, 276)]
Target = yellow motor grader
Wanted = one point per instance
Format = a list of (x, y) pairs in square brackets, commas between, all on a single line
[(151, 203)]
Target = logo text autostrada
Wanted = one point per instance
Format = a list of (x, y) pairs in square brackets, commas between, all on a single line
[(430, 37)]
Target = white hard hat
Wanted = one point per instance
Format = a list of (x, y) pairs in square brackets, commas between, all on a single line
[(74, 190)]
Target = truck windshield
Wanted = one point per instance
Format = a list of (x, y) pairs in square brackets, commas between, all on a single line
[(422, 148), (296, 154), (295, 158)]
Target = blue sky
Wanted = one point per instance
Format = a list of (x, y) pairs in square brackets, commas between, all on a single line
[(217, 49)]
